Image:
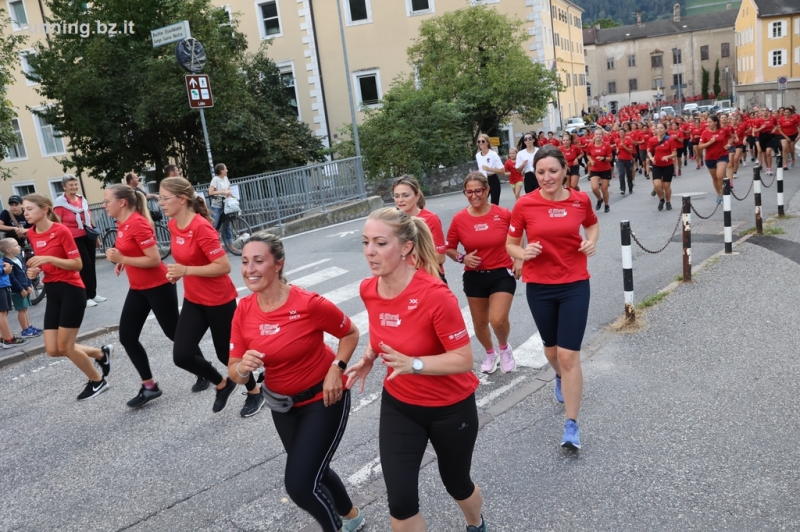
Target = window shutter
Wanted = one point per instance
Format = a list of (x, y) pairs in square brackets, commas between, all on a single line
[(797, 26), (784, 33), (784, 59), (797, 55)]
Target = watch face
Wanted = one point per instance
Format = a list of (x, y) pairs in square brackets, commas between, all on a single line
[(416, 364)]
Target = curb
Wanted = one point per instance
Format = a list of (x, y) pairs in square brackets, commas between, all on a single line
[(25, 354), (342, 213)]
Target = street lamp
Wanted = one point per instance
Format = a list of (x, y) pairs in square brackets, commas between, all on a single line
[(677, 69), (727, 88)]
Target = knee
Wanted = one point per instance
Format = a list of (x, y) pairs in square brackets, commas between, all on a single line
[(299, 488), (51, 352), (461, 492), (568, 360), (499, 322), (63, 347), (403, 506), (181, 357)]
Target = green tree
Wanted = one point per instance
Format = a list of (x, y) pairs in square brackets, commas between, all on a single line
[(717, 88), (122, 104), (9, 61), (704, 85), (607, 22)]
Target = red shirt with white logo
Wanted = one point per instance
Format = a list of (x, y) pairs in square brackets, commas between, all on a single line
[(594, 151), (514, 176), (571, 154), (135, 235), (485, 234), (717, 150), (197, 244), (291, 337), (788, 125), (660, 149), (622, 154), (554, 142), (556, 226), (56, 242), (423, 320), (435, 225)]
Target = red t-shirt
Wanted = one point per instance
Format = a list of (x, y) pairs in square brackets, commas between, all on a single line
[(741, 133), (556, 226), (134, 236), (645, 137), (423, 320), (291, 339), (622, 154), (554, 142), (756, 124), (604, 150), (770, 124), (485, 234), (788, 125), (514, 175), (57, 242), (717, 150), (659, 150), (571, 154), (197, 244), (696, 132), (677, 135), (68, 218), (435, 225)]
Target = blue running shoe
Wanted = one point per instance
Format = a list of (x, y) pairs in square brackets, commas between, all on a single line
[(356, 523), (572, 435), (28, 333), (557, 390), (482, 528)]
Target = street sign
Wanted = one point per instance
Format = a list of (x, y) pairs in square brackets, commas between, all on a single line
[(494, 141), (191, 55), (169, 34), (782, 83), (199, 90)]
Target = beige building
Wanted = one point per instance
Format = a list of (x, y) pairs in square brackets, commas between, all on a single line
[(638, 62)]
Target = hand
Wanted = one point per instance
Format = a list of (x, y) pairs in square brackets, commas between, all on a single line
[(359, 371), (471, 260), (252, 360), (175, 272), (400, 363), (712, 140), (20, 231), (7, 267), (228, 193), (332, 386), (587, 248), (485, 167), (37, 262), (98, 243), (33, 272), (517, 268), (118, 269), (114, 255), (532, 250)]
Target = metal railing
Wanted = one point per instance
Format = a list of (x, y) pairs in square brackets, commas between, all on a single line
[(104, 222)]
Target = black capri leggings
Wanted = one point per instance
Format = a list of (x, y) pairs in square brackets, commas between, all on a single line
[(560, 312), (403, 435), (310, 435), (88, 250), (494, 188), (194, 321), (530, 183)]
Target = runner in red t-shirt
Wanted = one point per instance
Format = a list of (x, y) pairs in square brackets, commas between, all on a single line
[(600, 155), (625, 153), (697, 130), (58, 258), (408, 198), (677, 137), (788, 135), (715, 141), (739, 129), (662, 152), (644, 138), (416, 327), (136, 252), (280, 328), (555, 270), (571, 153), (515, 178), (209, 296), (489, 280)]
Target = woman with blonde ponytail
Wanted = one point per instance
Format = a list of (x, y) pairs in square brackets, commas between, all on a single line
[(209, 299), (417, 330)]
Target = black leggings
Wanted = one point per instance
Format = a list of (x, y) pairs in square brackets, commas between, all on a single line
[(87, 250), (310, 435), (530, 183), (494, 188), (193, 323), (403, 436)]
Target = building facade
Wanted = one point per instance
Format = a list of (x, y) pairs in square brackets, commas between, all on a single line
[(638, 63), (767, 50)]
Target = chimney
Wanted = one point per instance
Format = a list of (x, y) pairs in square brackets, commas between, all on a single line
[(676, 13), (597, 26), (728, 5), (639, 18)]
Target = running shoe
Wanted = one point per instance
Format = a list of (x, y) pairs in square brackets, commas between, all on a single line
[(719, 199), (572, 435), (622, 192), (792, 162), (669, 206), (99, 299), (14, 342), (356, 523), (557, 390), (685, 162), (752, 159), (607, 209), (481, 528), (253, 404), (785, 168), (735, 176), (90, 303), (221, 401), (640, 171), (731, 186), (29, 333), (38, 331), (92, 389), (145, 396), (599, 204), (200, 385), (105, 363), (630, 189), (661, 205), (647, 176), (698, 167), (507, 362), (743, 163), (653, 192), (489, 364)]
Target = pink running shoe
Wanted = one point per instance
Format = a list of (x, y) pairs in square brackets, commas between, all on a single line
[(507, 363), (490, 363)]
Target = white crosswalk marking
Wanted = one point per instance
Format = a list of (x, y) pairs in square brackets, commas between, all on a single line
[(491, 396), (468, 320), (306, 266), (531, 353), (318, 277), (360, 476), (340, 295)]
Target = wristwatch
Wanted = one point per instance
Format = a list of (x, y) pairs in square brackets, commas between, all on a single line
[(460, 258), (341, 363), (416, 365)]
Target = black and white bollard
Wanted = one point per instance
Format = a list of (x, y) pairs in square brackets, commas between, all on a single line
[(779, 180), (726, 215), (687, 238), (757, 195), (627, 270)]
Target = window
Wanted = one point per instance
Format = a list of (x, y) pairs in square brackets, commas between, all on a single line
[(368, 85), (704, 53), (797, 26), (632, 85), (555, 11), (50, 140), (586, 67), (777, 58), (270, 19), (657, 83), (797, 55), (588, 90), (676, 56), (56, 188), (286, 69), (358, 11), (17, 152), (677, 78), (725, 50), (631, 60), (575, 79), (567, 82), (609, 64), (612, 87), (25, 188), (655, 61), (777, 29), (26, 67), (556, 39), (419, 7), (19, 18)]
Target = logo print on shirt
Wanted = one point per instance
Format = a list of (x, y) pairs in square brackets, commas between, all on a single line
[(390, 320), (179, 240), (412, 304), (557, 213), (576, 203), (146, 242), (459, 335), (41, 244), (496, 217), (511, 228), (481, 227), (293, 315), (268, 329)]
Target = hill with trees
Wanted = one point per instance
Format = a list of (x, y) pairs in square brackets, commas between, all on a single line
[(624, 11)]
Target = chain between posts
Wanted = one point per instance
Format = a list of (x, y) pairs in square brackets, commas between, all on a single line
[(771, 183), (745, 196), (674, 232), (705, 217)]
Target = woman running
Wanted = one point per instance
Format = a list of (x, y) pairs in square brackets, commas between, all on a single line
[(289, 346), (515, 178), (525, 152), (555, 270), (489, 280), (714, 144), (417, 330), (662, 152), (787, 131), (57, 256), (490, 165), (209, 296), (600, 155), (571, 153), (737, 148), (697, 131)]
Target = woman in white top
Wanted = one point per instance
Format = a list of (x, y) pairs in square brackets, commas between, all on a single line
[(526, 150), (218, 191), (490, 164)]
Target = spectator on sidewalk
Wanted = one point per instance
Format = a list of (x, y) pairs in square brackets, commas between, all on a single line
[(7, 340), (21, 286), (132, 181), (218, 191), (13, 222)]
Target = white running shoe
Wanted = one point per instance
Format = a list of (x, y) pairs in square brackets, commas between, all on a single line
[(100, 299), (90, 303)]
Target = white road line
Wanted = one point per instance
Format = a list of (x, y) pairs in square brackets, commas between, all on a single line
[(531, 353), (360, 476), (365, 401), (361, 320), (306, 266), (468, 320), (318, 277), (489, 397), (340, 295)]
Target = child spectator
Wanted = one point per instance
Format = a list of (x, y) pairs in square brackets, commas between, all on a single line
[(7, 340), (21, 286)]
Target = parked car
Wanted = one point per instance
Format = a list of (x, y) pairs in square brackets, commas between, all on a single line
[(726, 110), (689, 108), (574, 124), (704, 109), (669, 110)]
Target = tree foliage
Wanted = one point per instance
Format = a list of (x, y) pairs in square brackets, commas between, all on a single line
[(624, 11), (9, 61), (717, 88), (705, 81), (123, 105), (604, 23)]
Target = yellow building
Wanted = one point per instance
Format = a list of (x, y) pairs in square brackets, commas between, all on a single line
[(768, 50)]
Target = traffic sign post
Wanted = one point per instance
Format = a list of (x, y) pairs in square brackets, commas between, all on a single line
[(782, 83)]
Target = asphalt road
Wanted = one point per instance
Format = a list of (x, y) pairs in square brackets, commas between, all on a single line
[(668, 445)]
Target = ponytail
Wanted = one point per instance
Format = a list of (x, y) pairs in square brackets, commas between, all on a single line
[(181, 187), (44, 203), (135, 199), (414, 230), (198, 205)]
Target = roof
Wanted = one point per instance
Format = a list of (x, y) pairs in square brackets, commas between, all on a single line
[(769, 8), (718, 19)]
